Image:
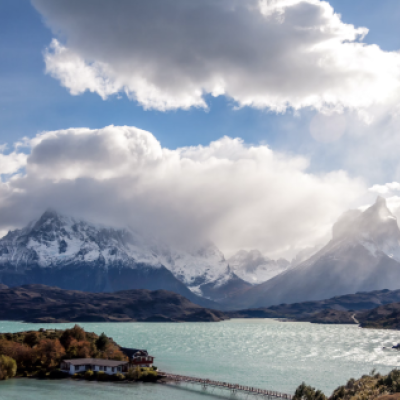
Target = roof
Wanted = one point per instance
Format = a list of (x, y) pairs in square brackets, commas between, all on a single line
[(132, 352), (96, 361)]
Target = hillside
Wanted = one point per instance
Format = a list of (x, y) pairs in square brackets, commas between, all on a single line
[(363, 255), (39, 303), (369, 387), (337, 310), (384, 317)]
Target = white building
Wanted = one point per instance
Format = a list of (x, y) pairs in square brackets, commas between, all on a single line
[(109, 367)]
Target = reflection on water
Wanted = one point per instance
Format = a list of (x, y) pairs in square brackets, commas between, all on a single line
[(263, 353)]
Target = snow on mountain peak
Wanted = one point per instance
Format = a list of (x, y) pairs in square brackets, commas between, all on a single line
[(58, 240)]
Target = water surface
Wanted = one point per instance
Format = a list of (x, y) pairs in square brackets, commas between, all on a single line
[(265, 353)]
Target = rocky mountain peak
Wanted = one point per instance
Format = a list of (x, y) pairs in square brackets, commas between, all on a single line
[(49, 220), (376, 223)]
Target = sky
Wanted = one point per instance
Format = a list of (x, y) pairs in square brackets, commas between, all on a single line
[(254, 124)]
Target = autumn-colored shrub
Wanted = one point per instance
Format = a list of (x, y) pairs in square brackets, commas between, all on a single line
[(8, 367), (49, 352)]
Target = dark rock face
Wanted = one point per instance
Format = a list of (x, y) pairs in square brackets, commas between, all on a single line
[(40, 303)]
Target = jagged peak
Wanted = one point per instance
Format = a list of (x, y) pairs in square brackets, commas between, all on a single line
[(50, 213), (379, 210), (380, 201)]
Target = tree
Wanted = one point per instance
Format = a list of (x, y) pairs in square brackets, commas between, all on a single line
[(102, 342), (21, 353), (82, 349), (113, 352), (68, 335), (306, 392), (8, 367), (31, 339), (49, 352)]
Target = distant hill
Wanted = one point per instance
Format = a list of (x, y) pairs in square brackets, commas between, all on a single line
[(40, 303), (339, 309), (383, 317)]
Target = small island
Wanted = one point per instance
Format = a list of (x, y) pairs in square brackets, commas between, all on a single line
[(55, 354)]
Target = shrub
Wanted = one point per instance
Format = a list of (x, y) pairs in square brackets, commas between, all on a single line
[(8, 367), (42, 374), (102, 376), (134, 374), (57, 374), (150, 376), (306, 392), (89, 375), (118, 377)]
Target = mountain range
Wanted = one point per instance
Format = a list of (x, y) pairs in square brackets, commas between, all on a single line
[(58, 250)]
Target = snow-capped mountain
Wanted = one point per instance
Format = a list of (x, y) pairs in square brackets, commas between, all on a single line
[(253, 267), (363, 255), (74, 254)]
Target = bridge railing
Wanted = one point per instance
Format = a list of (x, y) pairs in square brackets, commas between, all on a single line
[(230, 386)]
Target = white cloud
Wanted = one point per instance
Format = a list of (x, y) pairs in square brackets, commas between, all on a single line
[(168, 54), (240, 196), (12, 162)]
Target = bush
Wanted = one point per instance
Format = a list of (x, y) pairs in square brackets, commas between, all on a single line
[(134, 374), (102, 376), (150, 376), (89, 375), (305, 392), (8, 367), (57, 374), (42, 374), (118, 377)]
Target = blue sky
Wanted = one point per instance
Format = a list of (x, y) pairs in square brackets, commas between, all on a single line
[(31, 101), (315, 104)]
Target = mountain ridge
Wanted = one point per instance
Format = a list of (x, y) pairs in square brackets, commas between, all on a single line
[(45, 304), (62, 251), (363, 255)]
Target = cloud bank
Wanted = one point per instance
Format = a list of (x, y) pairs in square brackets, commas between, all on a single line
[(239, 196), (169, 54)]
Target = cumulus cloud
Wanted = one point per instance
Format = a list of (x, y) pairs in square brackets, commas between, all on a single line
[(238, 195), (169, 54), (12, 162)]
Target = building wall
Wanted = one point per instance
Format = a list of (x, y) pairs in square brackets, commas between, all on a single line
[(82, 368)]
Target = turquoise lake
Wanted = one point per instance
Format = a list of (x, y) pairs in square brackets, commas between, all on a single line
[(264, 353)]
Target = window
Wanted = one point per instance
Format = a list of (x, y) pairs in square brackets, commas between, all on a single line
[(101, 368)]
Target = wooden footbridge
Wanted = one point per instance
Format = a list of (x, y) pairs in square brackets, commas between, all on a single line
[(234, 388)]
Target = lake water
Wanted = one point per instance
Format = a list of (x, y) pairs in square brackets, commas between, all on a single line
[(264, 353)]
